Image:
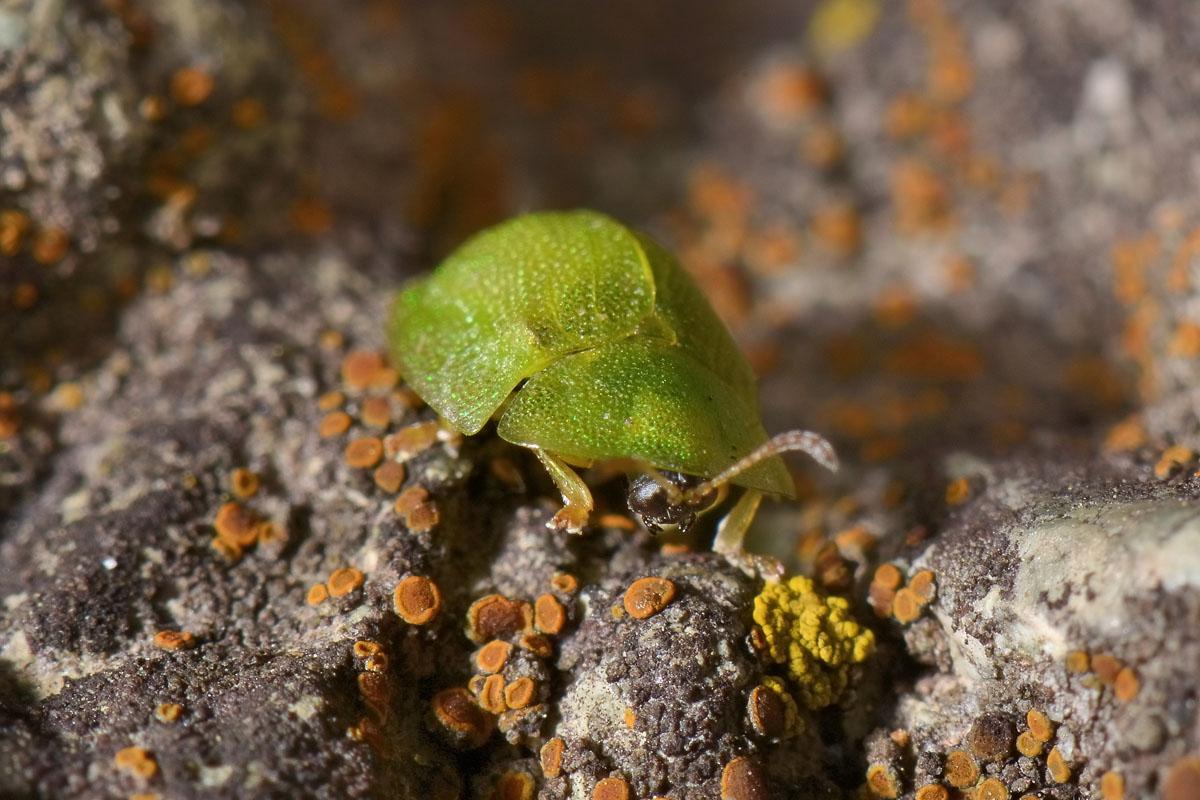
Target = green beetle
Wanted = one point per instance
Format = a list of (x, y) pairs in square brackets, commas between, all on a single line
[(588, 341)]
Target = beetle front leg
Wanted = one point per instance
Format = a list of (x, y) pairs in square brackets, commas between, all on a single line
[(577, 498), (732, 530)]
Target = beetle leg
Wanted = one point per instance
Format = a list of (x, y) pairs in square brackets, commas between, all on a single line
[(732, 530), (576, 497)]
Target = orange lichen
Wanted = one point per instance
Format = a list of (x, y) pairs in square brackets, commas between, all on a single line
[(191, 86), (991, 789), (519, 693), (565, 583), (1078, 661), (377, 663), (365, 649), (513, 786), (906, 116), (243, 482), (417, 600), (1029, 745), (1126, 685), (496, 617), (881, 599), (49, 245), (551, 757), (168, 712), (648, 596), (331, 400), (618, 521), (412, 439), (1173, 460), (389, 476), (921, 198), (136, 760), (248, 113), (823, 147), (230, 551), (931, 355), (548, 614), (991, 737), (789, 91), (957, 491), (611, 789), (332, 340), (1057, 765), (492, 656), (1039, 725), (10, 420), (537, 644), (1112, 786), (360, 368), (1106, 667), (344, 581), (906, 606), (895, 306), (491, 694), (1183, 780), (1128, 434), (376, 692), (458, 713), (237, 524), (376, 412), (961, 770), (334, 423), (409, 499), (174, 640), (881, 780), (630, 718), (364, 452), (839, 229), (317, 593), (742, 779), (13, 226), (888, 576), (933, 791), (923, 586), (422, 518)]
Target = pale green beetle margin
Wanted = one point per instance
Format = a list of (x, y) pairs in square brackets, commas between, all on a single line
[(622, 355)]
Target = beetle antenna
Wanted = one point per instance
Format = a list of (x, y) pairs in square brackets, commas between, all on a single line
[(809, 442), (674, 493)]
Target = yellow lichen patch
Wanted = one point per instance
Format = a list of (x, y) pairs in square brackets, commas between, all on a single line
[(961, 770), (565, 583), (923, 586), (317, 593), (551, 757), (519, 693), (334, 424), (191, 86), (1028, 744), (344, 581), (1078, 661), (1057, 765), (991, 789), (168, 712), (411, 439), (814, 635), (331, 401), (364, 452), (1106, 667), (497, 617), (492, 656), (237, 524), (376, 412), (513, 786), (957, 491), (491, 694), (243, 482), (1112, 786), (417, 600), (1183, 780), (174, 640), (645, 597), (611, 789), (1126, 685), (906, 606), (360, 368), (136, 760), (1039, 725), (548, 614), (742, 779), (461, 717), (881, 780), (933, 791), (1173, 460)]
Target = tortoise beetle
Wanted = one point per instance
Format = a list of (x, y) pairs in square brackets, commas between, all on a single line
[(588, 341)]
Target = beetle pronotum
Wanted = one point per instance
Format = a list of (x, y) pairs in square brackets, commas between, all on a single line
[(588, 342)]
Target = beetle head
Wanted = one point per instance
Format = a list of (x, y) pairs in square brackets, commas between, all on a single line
[(664, 502)]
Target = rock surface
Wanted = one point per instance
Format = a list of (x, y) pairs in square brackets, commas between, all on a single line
[(963, 241)]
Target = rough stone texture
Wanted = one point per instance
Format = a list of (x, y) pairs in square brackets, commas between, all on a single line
[(988, 300)]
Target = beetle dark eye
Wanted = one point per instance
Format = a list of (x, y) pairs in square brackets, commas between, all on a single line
[(652, 502)]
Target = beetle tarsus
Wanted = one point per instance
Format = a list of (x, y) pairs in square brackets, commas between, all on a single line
[(577, 499)]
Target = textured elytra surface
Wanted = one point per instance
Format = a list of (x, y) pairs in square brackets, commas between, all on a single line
[(1071, 309)]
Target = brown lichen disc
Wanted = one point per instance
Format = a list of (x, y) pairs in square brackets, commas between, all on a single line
[(767, 712), (742, 779), (991, 789), (933, 791), (961, 770), (646, 597), (468, 725), (496, 617), (417, 600), (514, 786)]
